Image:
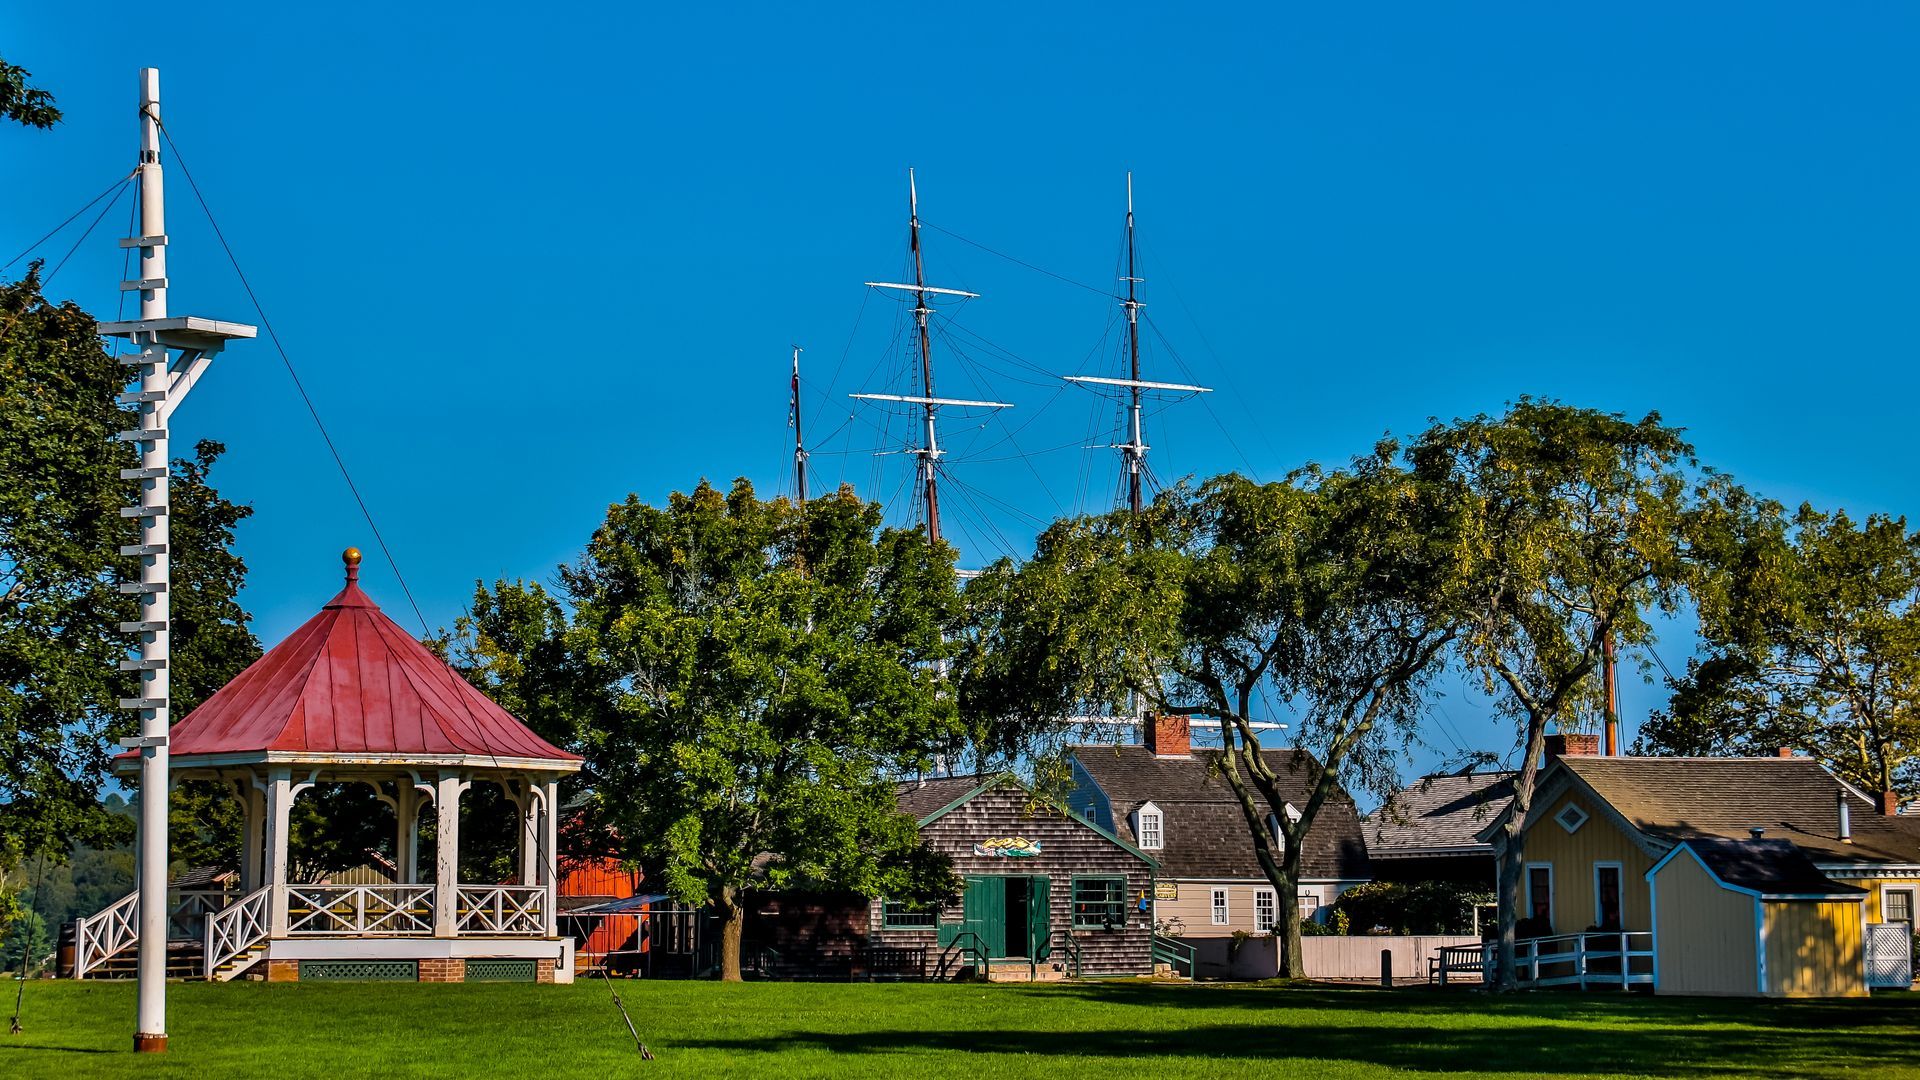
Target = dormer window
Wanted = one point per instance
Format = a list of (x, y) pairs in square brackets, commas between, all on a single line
[(1150, 827), (1276, 833)]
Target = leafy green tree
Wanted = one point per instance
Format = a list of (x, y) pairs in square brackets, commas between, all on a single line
[(1570, 528), (1812, 639), (746, 690), (60, 568), (60, 531), (27, 944), (1332, 590), (24, 104)]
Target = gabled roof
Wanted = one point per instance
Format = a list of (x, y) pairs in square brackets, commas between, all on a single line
[(1765, 868), (920, 799), (1668, 799), (929, 800), (351, 684), (1205, 832), (1439, 815)]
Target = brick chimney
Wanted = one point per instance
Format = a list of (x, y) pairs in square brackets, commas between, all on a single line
[(1784, 751), (1570, 743), (1889, 803), (1167, 735)]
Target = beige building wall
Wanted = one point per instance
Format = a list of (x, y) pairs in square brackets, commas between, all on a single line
[(1575, 905), (1193, 906), (1815, 948), (1705, 941)]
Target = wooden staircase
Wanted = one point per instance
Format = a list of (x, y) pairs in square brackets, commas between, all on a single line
[(183, 962), (239, 964)]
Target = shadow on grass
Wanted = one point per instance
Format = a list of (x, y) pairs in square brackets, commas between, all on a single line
[(1524, 1051), (1882, 1011)]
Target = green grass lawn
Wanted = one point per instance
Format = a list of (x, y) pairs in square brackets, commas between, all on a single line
[(919, 1031)]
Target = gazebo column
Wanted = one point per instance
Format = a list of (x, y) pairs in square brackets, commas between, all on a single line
[(253, 813), (406, 840), (527, 841), (279, 816), (446, 865), (550, 852)]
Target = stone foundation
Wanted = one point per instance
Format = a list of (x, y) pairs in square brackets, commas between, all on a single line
[(283, 971), (543, 971)]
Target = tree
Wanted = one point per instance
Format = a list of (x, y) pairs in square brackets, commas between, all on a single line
[(1570, 531), (24, 104), (60, 571), (1330, 589), (60, 532), (212, 643), (1812, 640), (748, 689), (26, 945)]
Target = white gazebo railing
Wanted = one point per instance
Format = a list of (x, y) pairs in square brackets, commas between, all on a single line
[(235, 929), (502, 909), (98, 937), (360, 910)]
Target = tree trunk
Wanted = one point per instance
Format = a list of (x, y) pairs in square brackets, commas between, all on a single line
[(1287, 909), (1508, 896), (732, 925), (1513, 853)]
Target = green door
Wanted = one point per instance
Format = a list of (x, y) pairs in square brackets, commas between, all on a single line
[(984, 911), (1040, 916)]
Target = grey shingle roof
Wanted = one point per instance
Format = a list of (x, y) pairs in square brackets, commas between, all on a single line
[(918, 798), (1206, 834), (1440, 814), (1791, 798), (1766, 866)]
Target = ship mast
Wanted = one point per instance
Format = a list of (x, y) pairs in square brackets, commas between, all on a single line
[(1133, 452), (164, 383), (799, 444), (928, 452)]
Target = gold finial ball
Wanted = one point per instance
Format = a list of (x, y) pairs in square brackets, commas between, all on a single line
[(351, 556)]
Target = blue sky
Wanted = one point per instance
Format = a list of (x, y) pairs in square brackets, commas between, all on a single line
[(528, 260)]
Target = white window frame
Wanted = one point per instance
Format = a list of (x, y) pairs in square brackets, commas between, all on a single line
[(1576, 808), (1221, 907), (1621, 870), (1913, 901), (1150, 813), (1309, 903), (1266, 898), (1553, 917)]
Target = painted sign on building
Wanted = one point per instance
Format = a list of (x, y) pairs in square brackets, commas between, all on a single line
[(1007, 847), (1166, 890)]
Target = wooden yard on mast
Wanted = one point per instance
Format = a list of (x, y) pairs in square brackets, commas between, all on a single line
[(1133, 452), (928, 452)]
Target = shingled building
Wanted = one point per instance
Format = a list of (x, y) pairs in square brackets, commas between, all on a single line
[(1169, 800)]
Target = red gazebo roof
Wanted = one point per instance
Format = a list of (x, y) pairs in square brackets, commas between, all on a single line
[(349, 685)]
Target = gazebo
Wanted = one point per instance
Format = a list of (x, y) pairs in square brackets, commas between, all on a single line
[(350, 697)]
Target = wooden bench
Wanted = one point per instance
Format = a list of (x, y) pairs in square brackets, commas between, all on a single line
[(1456, 960), (894, 962)]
